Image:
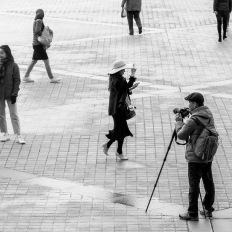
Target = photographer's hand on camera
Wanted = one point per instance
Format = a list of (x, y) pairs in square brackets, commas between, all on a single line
[(178, 117)]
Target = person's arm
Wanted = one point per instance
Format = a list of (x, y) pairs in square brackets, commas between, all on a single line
[(38, 27), (16, 83), (230, 5), (184, 130), (215, 4)]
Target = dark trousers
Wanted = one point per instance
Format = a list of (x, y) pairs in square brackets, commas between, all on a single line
[(222, 16), (196, 171), (130, 16)]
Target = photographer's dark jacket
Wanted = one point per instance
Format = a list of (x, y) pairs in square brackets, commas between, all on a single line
[(11, 81), (191, 131), (118, 94), (222, 5)]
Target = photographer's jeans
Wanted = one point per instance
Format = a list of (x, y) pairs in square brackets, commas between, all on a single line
[(13, 115), (196, 171), (130, 16)]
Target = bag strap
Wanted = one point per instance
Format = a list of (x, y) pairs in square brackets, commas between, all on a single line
[(197, 121), (175, 136)]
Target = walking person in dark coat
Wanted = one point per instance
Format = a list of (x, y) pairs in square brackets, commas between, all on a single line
[(222, 9), (39, 49), (9, 88), (119, 89), (133, 8)]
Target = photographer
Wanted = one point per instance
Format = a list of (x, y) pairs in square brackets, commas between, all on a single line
[(197, 168)]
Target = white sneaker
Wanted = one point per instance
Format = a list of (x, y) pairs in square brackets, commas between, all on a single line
[(55, 80), (121, 156), (5, 138), (27, 79), (20, 140)]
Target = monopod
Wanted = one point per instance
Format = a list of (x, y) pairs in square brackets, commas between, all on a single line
[(173, 136)]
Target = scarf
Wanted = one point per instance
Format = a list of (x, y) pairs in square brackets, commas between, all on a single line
[(3, 64)]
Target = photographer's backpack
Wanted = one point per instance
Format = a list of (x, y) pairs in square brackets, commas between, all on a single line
[(206, 144)]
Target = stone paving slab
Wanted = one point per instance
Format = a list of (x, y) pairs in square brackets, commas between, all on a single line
[(54, 181)]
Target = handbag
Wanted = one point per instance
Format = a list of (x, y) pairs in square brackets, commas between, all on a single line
[(129, 108), (46, 37), (123, 13)]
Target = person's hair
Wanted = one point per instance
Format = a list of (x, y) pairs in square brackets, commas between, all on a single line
[(113, 78), (7, 50)]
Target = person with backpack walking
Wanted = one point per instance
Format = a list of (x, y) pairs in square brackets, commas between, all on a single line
[(195, 130), (222, 9), (133, 8), (39, 50), (9, 88)]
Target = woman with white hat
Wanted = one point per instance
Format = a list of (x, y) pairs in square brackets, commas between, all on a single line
[(119, 89)]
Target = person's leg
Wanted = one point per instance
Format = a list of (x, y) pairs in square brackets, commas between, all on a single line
[(49, 72), (14, 117), (130, 22), (29, 69), (225, 21), (3, 125), (207, 178), (15, 121), (219, 26), (120, 144), (194, 174), (138, 21)]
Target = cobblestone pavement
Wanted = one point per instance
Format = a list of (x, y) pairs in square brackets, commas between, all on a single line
[(60, 180)]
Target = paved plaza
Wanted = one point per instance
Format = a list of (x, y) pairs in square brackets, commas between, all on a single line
[(60, 180)]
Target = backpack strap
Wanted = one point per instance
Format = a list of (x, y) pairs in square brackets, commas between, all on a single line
[(197, 121)]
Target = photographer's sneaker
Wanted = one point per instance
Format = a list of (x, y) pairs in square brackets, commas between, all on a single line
[(20, 140), (55, 80), (5, 138), (121, 156), (207, 213), (188, 217)]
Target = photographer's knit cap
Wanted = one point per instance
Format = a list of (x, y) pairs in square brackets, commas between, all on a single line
[(119, 65), (196, 97)]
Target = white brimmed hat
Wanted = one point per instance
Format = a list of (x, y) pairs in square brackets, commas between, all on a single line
[(119, 65)]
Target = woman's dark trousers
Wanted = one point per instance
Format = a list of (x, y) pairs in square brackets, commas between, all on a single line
[(196, 171), (130, 16), (222, 16)]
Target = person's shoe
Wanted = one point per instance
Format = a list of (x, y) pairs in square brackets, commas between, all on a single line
[(5, 138), (55, 80), (27, 79), (140, 30), (224, 37), (188, 217), (121, 156), (131, 33), (207, 213), (20, 140), (105, 148)]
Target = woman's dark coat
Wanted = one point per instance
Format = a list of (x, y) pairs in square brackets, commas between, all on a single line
[(118, 94)]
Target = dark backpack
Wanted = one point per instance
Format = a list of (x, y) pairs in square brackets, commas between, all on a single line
[(206, 144)]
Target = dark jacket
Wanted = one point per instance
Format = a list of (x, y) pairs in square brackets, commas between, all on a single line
[(222, 5), (191, 131), (132, 5), (11, 81), (118, 94)]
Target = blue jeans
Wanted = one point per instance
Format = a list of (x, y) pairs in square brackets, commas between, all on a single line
[(13, 115), (196, 171)]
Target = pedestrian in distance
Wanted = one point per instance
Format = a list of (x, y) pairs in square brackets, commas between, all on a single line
[(198, 168), (133, 8), (39, 49), (119, 89), (222, 9), (9, 88)]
